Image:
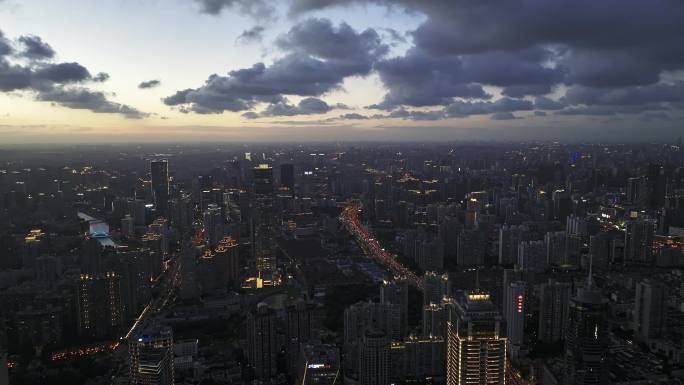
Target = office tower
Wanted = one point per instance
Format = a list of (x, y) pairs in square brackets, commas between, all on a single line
[(395, 293), (416, 359), (319, 364), (435, 287), (214, 224), (159, 171), (228, 260), (300, 321), (586, 340), (650, 309), (287, 178), (98, 300), (639, 242), (515, 315), (554, 302), (374, 358), (264, 219), (152, 244), (476, 342), (262, 345), (471, 248), (150, 357), (532, 256), (637, 193)]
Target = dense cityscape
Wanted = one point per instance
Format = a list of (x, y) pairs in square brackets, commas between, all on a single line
[(348, 263)]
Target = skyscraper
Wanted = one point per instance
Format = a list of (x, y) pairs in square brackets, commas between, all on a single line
[(264, 219), (299, 327), (515, 315), (395, 293), (554, 301), (287, 178), (151, 357), (476, 342), (159, 171), (586, 341), (374, 358), (649, 310), (262, 341), (638, 242)]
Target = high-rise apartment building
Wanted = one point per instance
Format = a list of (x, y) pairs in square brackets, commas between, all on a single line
[(515, 315), (98, 300), (262, 345), (649, 310), (374, 358), (554, 302)]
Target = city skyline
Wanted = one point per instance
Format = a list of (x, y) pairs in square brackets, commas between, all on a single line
[(366, 70)]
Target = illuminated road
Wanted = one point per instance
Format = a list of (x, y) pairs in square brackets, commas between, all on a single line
[(350, 218)]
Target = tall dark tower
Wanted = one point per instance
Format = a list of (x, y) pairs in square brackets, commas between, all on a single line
[(287, 176), (587, 337), (263, 219), (159, 170)]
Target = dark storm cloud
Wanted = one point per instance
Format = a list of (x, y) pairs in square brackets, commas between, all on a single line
[(544, 103), (306, 106), (320, 38), (502, 116), (460, 109), (354, 116), (255, 8), (35, 48), (149, 84), (62, 73), (608, 53), (58, 83), (82, 98), (254, 34), (421, 79), (311, 68)]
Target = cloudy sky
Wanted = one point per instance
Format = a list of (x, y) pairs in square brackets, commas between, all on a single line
[(205, 70)]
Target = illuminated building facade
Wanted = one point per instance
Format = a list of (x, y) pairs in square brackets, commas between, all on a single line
[(476, 342), (151, 357)]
